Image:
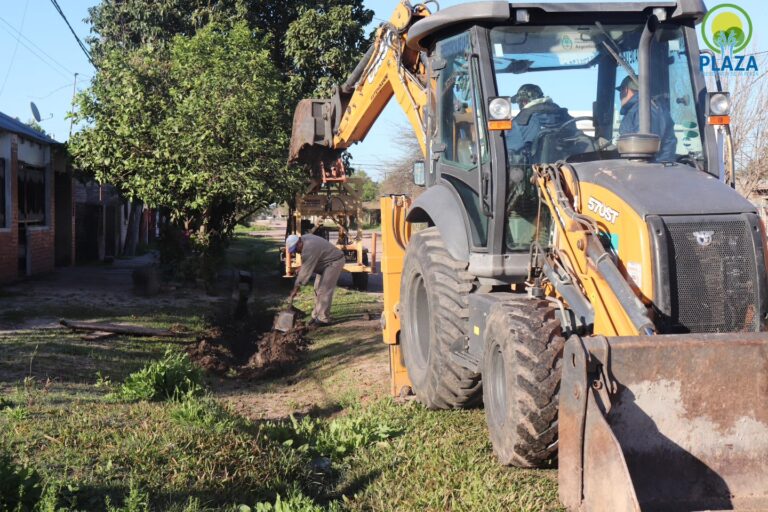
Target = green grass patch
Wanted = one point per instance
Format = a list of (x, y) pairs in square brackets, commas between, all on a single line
[(333, 439), (203, 413), (173, 377), (255, 254)]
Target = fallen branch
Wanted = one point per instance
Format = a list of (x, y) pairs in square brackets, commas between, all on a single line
[(130, 330)]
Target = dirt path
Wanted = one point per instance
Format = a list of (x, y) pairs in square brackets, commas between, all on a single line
[(91, 292)]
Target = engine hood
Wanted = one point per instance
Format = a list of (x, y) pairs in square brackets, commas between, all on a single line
[(658, 189)]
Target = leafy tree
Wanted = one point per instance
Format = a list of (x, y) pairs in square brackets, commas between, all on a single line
[(311, 41), (324, 45), (192, 102), (36, 126), (198, 126), (370, 188)]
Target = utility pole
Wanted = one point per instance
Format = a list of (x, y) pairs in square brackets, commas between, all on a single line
[(72, 120)]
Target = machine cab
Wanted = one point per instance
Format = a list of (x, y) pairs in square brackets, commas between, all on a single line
[(524, 84)]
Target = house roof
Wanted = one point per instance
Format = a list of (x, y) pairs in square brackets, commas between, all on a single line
[(9, 124)]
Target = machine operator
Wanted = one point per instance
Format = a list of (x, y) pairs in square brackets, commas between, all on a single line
[(537, 112), (661, 122)]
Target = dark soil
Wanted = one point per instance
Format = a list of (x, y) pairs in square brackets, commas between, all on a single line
[(250, 349)]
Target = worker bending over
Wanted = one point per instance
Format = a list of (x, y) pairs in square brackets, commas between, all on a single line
[(318, 256)]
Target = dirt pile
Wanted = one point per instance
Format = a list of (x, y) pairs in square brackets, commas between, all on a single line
[(250, 350)]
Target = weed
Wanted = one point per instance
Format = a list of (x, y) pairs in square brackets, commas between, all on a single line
[(202, 412), (171, 378), (136, 501), (295, 501), (17, 413), (335, 439), (20, 486), (102, 381)]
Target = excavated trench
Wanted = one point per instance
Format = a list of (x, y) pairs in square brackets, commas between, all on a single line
[(250, 349)]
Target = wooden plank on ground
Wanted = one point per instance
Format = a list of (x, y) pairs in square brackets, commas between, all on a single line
[(130, 330)]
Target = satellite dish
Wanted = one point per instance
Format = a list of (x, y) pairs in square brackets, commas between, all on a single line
[(35, 111)]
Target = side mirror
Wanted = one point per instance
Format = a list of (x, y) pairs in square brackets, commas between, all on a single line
[(419, 175)]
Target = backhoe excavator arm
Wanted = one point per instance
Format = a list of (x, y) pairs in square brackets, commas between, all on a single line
[(322, 129)]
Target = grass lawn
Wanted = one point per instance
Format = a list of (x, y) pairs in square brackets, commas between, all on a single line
[(233, 446)]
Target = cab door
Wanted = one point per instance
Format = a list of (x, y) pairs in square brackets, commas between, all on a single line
[(459, 147)]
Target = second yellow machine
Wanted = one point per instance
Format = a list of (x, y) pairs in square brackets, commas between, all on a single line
[(578, 262)]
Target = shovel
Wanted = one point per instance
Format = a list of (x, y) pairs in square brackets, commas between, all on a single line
[(286, 320)]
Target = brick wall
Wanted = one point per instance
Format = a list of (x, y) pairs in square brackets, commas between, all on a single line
[(9, 237), (40, 243)]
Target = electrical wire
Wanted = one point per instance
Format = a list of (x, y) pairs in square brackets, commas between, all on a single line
[(77, 38), (12, 31), (70, 84), (15, 49)]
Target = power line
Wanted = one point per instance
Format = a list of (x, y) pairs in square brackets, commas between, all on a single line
[(53, 62), (77, 38), (15, 49), (52, 92)]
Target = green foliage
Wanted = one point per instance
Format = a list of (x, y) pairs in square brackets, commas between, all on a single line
[(20, 486), (199, 126), (295, 501), (37, 127), (191, 105), (324, 46), (370, 189), (173, 377), (136, 501), (335, 439), (204, 413)]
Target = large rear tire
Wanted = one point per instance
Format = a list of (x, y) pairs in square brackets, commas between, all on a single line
[(521, 381), (434, 310)]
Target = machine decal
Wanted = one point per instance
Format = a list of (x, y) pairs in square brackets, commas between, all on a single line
[(635, 272), (604, 211), (703, 238)]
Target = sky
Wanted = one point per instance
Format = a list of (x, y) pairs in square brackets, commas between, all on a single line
[(40, 57)]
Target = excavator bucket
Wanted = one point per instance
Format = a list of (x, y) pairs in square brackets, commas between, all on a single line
[(663, 423), (312, 133)]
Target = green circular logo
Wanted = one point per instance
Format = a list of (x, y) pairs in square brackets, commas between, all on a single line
[(726, 26)]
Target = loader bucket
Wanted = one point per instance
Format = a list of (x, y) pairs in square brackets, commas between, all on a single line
[(668, 422)]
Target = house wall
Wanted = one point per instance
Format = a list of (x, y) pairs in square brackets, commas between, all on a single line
[(40, 255), (41, 241), (9, 234)]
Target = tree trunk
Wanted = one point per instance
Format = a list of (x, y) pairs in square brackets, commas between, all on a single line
[(134, 222)]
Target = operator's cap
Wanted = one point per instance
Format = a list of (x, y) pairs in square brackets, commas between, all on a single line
[(628, 83), (291, 243), (528, 92)]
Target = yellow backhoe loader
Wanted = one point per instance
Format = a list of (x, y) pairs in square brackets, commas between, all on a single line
[(578, 261)]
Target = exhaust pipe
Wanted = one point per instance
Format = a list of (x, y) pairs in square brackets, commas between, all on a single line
[(643, 145)]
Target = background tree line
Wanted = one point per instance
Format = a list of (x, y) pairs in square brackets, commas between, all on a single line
[(192, 102)]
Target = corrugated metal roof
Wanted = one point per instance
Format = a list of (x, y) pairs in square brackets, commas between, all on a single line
[(9, 124)]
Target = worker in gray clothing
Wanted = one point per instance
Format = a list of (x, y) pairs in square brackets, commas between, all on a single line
[(318, 256)]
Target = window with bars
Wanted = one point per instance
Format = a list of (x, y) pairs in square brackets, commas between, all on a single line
[(31, 193)]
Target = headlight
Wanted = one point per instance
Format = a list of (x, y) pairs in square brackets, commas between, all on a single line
[(719, 104), (500, 108)]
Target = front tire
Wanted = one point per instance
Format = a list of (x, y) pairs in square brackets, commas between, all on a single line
[(434, 314), (521, 381)]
